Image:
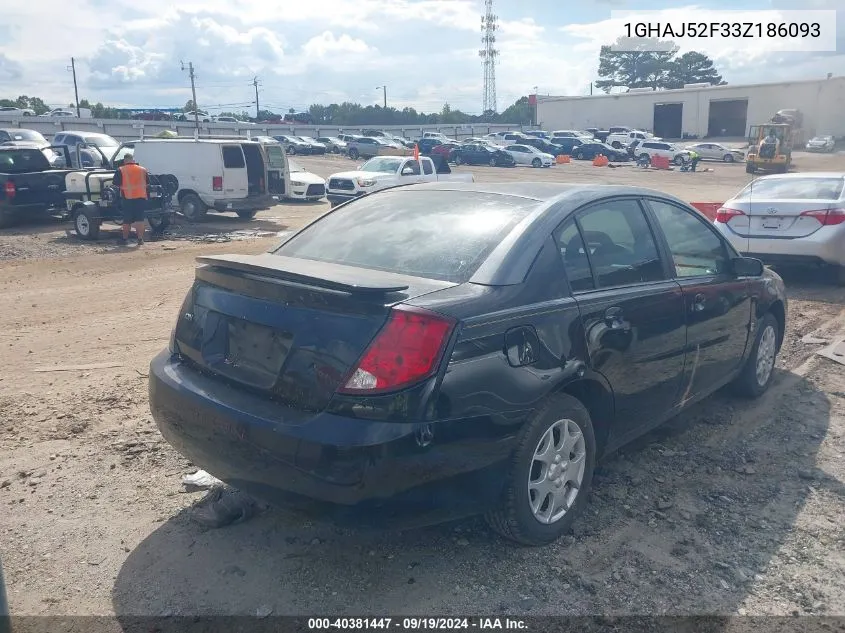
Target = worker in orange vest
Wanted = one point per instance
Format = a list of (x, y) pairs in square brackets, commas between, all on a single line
[(133, 180)]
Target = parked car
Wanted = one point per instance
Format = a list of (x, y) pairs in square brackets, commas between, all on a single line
[(227, 119), (621, 140), (333, 144), (22, 134), (217, 175), (203, 117), (538, 134), (528, 155), (60, 114), (56, 159), (348, 138), (12, 111), (649, 149), (562, 134), (821, 144), (543, 145), (366, 147), (29, 184), (292, 144), (445, 150), (482, 154), (304, 185), (567, 145), (427, 144), (716, 151), (796, 218), (486, 370), (106, 144), (153, 115), (589, 150), (382, 172), (314, 146)]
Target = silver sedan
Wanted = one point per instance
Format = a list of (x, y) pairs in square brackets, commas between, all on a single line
[(790, 218), (530, 155), (716, 151)]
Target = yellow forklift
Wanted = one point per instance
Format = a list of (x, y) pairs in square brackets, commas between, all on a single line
[(770, 148)]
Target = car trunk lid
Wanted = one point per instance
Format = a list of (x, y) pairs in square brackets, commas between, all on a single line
[(780, 219), (288, 328)]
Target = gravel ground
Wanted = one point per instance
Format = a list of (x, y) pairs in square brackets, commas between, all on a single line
[(735, 507)]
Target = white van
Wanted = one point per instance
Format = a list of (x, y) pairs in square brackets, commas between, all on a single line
[(215, 174)]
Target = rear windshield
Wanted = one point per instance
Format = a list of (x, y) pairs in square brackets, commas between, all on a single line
[(794, 189), (19, 161), (26, 135), (444, 235)]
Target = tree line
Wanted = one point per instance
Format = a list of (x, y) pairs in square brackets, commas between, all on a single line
[(658, 70)]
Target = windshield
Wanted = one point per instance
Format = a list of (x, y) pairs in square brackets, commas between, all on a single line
[(100, 141), (443, 235), (382, 164), (26, 135), (794, 189), (19, 161)]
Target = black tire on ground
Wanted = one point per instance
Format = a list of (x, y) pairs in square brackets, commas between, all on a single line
[(536, 163), (748, 383), (86, 224), (578, 155), (728, 158), (353, 154), (246, 215), (492, 162), (291, 150), (169, 182), (159, 223), (193, 208), (514, 519)]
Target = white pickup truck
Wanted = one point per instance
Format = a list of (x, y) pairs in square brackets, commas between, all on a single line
[(382, 172), (621, 140)]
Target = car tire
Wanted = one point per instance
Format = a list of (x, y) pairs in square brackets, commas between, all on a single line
[(86, 225), (246, 215), (756, 375), (193, 208), (515, 519), (159, 223), (616, 145), (492, 162), (728, 158), (536, 163), (578, 155), (679, 160), (353, 154), (292, 150)]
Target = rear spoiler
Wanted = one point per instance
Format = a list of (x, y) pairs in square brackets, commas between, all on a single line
[(312, 273)]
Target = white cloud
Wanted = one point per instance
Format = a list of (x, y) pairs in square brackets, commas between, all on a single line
[(327, 44)]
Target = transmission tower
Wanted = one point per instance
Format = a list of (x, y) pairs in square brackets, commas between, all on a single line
[(488, 56)]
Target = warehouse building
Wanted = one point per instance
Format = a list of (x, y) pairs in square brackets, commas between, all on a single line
[(702, 110)]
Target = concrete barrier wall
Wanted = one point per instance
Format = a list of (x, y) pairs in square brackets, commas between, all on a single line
[(127, 130)]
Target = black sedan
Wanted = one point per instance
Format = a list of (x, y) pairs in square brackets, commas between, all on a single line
[(532, 329), (543, 145), (588, 151), (482, 154), (566, 145)]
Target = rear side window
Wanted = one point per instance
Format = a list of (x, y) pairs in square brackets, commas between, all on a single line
[(22, 160), (795, 189), (444, 235), (233, 157), (695, 247), (574, 255), (428, 167), (622, 247)]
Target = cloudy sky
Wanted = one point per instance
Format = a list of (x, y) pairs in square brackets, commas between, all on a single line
[(321, 51)]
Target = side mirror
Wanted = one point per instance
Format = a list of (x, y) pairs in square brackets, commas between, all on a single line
[(747, 267), (408, 171)]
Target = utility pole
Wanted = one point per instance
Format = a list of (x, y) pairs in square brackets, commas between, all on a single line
[(193, 92), (257, 109), (75, 89), (385, 94)]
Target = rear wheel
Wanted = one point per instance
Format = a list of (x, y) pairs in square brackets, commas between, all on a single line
[(757, 373), (291, 150), (193, 208), (492, 162), (536, 162), (159, 223), (86, 224), (578, 155), (353, 154), (550, 474), (728, 158), (246, 215), (679, 160)]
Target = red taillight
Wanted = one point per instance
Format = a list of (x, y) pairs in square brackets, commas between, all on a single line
[(9, 189), (217, 183), (405, 351), (827, 217), (725, 214)]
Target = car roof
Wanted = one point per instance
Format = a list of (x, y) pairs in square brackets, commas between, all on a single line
[(805, 174), (540, 191)]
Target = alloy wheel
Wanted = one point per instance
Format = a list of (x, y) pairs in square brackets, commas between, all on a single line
[(557, 471), (766, 355)]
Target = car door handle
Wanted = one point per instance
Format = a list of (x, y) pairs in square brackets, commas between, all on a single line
[(698, 303)]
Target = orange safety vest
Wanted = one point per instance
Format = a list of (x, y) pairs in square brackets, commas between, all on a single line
[(133, 182)]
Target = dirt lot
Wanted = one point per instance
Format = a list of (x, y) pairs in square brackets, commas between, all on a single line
[(736, 507)]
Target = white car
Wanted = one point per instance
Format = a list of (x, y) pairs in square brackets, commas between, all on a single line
[(789, 218), (558, 134), (304, 185), (716, 151), (624, 139), (821, 144), (528, 155), (650, 149), (10, 111), (61, 114), (229, 119)]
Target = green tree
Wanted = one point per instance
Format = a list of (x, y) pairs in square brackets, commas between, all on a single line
[(692, 68), (520, 112), (635, 68), (189, 106)]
